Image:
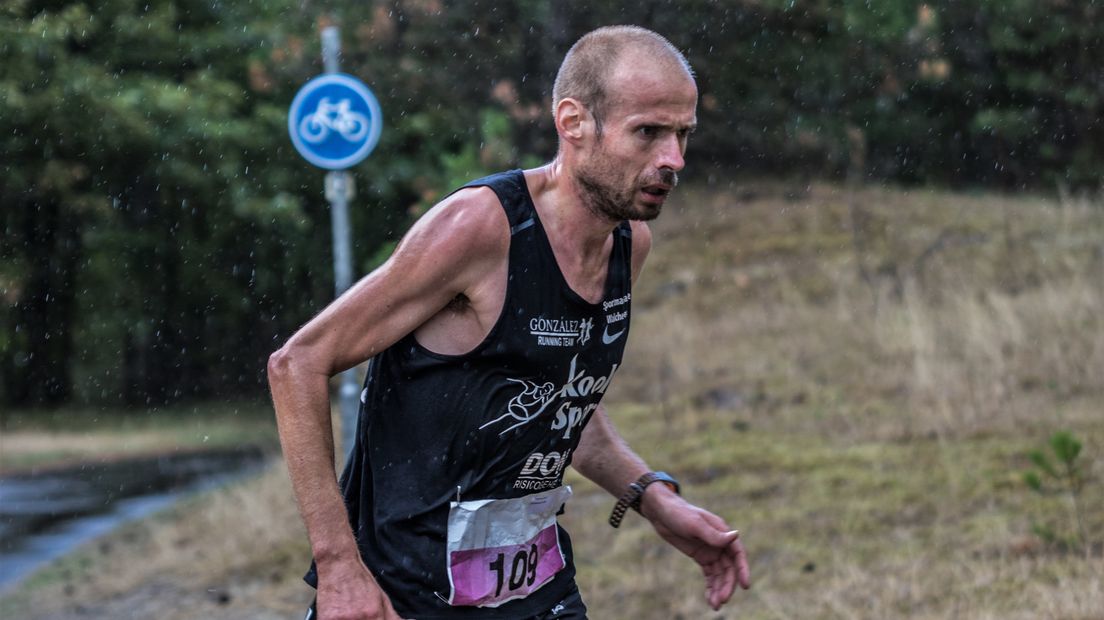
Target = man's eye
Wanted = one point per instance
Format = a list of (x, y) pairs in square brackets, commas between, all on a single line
[(649, 131)]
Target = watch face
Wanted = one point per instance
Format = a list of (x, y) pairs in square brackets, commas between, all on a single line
[(665, 478)]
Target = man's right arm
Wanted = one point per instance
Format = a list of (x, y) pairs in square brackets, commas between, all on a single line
[(448, 252)]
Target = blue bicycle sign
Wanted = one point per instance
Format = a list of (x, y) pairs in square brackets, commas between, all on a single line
[(334, 121), (316, 126)]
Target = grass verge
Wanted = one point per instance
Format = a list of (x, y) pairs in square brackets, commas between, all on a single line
[(37, 440)]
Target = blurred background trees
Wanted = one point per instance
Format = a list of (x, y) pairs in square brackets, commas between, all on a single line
[(160, 235)]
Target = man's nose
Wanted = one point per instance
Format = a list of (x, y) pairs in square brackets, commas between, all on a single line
[(670, 154)]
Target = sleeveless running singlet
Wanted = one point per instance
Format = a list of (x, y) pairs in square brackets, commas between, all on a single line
[(455, 480)]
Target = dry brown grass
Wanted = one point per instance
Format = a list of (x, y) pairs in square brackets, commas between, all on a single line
[(20, 450), (867, 434), (34, 440), (838, 528), (980, 313), (860, 406)]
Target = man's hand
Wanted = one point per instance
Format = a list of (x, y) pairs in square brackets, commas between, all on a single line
[(348, 591), (604, 457), (703, 536)]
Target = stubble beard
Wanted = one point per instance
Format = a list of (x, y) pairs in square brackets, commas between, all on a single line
[(604, 200), (602, 196)]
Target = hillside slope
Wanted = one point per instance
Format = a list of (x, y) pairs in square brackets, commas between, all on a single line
[(855, 379)]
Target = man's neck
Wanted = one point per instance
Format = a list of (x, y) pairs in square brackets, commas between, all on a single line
[(565, 215)]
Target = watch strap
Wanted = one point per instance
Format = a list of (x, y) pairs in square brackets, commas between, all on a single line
[(635, 493)]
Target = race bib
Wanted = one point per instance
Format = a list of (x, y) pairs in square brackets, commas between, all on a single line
[(503, 549)]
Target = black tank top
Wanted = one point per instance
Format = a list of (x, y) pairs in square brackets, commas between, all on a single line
[(500, 421)]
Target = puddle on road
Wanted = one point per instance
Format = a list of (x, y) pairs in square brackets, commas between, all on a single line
[(44, 516)]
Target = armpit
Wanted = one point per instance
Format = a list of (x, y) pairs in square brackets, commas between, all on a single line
[(458, 304)]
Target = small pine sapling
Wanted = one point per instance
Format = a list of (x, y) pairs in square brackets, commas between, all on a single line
[(1067, 474)]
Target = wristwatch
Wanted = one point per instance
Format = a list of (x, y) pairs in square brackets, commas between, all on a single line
[(632, 497)]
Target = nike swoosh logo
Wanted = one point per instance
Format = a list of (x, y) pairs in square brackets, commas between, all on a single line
[(607, 338)]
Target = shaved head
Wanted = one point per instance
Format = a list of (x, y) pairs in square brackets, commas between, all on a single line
[(590, 65)]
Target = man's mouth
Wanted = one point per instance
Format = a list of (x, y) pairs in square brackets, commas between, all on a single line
[(658, 190)]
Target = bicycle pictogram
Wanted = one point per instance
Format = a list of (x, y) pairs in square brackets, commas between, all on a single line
[(339, 117)]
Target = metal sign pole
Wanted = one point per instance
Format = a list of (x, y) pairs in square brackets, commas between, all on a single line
[(334, 122), (339, 189)]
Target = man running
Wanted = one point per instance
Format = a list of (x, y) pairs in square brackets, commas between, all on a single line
[(492, 333)]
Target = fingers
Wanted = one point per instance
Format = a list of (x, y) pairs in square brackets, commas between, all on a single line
[(729, 569), (719, 588), (734, 549), (720, 564), (717, 548), (743, 572), (725, 534), (718, 534)]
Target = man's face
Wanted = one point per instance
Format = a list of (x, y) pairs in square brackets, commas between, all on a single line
[(628, 170)]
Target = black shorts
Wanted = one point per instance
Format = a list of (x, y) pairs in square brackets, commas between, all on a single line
[(570, 608)]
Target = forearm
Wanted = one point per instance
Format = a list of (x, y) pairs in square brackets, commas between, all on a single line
[(302, 403), (606, 458)]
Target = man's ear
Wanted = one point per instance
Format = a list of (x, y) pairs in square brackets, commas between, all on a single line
[(573, 122)]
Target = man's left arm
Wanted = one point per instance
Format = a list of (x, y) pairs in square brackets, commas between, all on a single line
[(604, 457)]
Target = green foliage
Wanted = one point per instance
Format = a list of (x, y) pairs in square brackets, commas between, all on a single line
[(1064, 474), (1033, 481), (137, 166), (1066, 448)]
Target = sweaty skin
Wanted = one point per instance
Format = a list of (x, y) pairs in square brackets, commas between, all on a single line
[(451, 306)]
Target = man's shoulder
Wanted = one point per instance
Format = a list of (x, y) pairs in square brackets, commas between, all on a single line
[(470, 219), (473, 199), (477, 207)]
